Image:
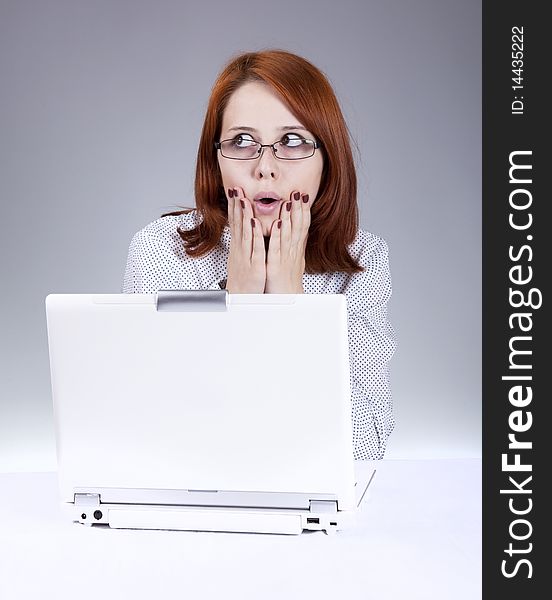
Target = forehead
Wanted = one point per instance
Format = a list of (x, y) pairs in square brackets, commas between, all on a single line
[(256, 105)]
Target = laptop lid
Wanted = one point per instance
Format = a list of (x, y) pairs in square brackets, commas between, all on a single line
[(202, 392)]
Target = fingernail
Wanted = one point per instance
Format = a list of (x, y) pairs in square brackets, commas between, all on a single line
[(288, 206), (297, 195), (243, 204), (230, 192), (279, 224), (252, 222), (306, 198)]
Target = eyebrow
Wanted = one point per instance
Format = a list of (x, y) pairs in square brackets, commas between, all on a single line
[(252, 129)]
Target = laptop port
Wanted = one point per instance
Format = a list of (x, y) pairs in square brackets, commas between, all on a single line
[(312, 520)]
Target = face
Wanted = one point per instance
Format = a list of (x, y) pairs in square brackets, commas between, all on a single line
[(255, 112)]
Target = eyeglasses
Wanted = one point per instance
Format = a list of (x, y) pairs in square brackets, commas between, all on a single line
[(288, 148)]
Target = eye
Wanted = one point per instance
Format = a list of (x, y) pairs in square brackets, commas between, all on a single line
[(240, 141), (292, 140)]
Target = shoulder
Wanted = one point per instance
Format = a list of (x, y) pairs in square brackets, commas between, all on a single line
[(166, 227), (370, 250), (371, 288), (164, 231)]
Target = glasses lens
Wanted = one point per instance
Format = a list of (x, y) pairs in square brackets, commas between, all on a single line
[(239, 147), (294, 147)]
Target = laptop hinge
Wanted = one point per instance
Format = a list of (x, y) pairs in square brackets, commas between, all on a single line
[(191, 300), (87, 500), (87, 509), (323, 506)]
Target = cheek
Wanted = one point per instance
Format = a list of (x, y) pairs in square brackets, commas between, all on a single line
[(314, 177), (231, 173)]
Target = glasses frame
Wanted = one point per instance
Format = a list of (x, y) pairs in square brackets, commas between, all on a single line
[(315, 146)]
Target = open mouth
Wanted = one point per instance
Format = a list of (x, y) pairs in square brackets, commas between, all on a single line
[(266, 206)]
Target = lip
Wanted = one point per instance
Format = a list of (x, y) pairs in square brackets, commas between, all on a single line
[(265, 194), (266, 209)]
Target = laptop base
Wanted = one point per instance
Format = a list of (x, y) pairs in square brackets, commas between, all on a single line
[(206, 518)]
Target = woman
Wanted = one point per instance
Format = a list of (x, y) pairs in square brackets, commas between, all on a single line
[(277, 213)]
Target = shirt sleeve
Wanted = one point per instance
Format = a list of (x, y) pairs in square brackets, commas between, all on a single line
[(149, 266), (152, 265), (371, 346)]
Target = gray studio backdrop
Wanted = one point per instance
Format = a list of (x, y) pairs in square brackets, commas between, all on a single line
[(101, 106)]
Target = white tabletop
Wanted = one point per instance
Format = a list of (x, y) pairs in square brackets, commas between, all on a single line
[(418, 536)]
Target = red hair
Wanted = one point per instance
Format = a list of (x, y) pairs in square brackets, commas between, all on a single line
[(310, 97)]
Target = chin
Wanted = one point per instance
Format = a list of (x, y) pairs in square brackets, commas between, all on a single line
[(266, 225)]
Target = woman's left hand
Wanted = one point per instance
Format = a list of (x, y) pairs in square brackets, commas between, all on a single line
[(285, 263)]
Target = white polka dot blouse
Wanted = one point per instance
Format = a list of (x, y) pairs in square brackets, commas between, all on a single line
[(157, 260)]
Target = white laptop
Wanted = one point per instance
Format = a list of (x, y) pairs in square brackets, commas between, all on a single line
[(203, 410)]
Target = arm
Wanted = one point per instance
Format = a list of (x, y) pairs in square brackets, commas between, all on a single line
[(371, 346)]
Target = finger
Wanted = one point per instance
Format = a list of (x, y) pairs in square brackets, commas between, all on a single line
[(252, 234), (258, 256), (285, 232), (246, 205), (306, 204), (246, 233), (274, 243), (238, 217), (296, 219)]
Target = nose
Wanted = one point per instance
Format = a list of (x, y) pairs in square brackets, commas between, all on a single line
[(267, 165)]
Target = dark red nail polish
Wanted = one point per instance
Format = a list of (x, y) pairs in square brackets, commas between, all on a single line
[(306, 198), (243, 204), (297, 195), (288, 206), (230, 192), (279, 224), (252, 222)]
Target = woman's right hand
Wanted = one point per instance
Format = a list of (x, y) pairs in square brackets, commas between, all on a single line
[(247, 257)]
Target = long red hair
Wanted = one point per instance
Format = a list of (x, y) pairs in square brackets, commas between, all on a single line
[(310, 97)]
